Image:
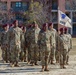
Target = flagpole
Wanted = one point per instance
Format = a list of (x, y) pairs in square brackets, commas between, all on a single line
[(58, 34)]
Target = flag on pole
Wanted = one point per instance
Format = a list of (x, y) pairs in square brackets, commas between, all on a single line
[(64, 19)]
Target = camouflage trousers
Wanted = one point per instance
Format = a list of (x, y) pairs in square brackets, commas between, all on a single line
[(14, 53), (63, 55), (23, 54), (5, 53), (45, 58), (29, 53), (57, 55), (67, 56), (34, 53), (52, 54)]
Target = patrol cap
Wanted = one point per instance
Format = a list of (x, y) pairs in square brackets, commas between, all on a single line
[(61, 29), (50, 24), (5, 25), (14, 21), (65, 29), (45, 25)]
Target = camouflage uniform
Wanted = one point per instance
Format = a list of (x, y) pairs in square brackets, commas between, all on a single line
[(23, 48), (63, 48), (44, 44), (4, 45), (14, 41), (27, 37), (69, 45), (57, 49), (34, 44), (53, 43)]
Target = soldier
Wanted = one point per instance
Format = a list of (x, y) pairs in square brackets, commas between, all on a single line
[(69, 43), (4, 43), (27, 37), (44, 45), (34, 43), (53, 42), (11, 26), (57, 49), (14, 41), (23, 53), (63, 48)]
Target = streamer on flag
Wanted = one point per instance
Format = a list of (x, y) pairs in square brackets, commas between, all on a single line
[(64, 19)]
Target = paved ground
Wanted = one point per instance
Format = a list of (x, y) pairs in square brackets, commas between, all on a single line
[(25, 69)]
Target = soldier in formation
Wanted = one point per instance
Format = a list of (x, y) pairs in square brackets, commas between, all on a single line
[(44, 44), (69, 43), (23, 53), (32, 43), (53, 33), (63, 48), (14, 42), (4, 43), (28, 44)]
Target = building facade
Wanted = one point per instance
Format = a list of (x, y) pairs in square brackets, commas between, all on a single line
[(67, 6)]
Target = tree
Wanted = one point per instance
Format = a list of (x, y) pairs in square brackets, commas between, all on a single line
[(5, 16), (39, 12)]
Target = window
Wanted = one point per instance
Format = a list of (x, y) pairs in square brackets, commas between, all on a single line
[(3, 5), (70, 4), (56, 26), (54, 4), (54, 16), (18, 4), (74, 29), (74, 16), (74, 4), (25, 6)]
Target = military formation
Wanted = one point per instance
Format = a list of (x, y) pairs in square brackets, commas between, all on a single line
[(32, 44)]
